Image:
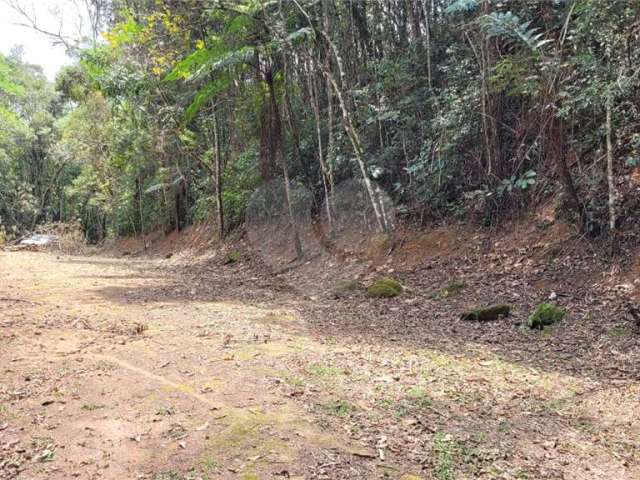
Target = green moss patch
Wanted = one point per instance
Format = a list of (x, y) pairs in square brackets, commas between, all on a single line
[(487, 314), (546, 314), (384, 288), (234, 256)]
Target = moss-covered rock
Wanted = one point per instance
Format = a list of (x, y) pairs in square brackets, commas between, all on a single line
[(486, 314), (384, 288), (233, 256), (546, 314)]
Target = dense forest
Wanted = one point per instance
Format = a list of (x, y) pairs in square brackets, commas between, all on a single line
[(467, 109)]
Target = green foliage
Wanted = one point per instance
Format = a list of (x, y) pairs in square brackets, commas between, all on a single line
[(507, 185), (516, 76), (468, 121), (209, 92), (28, 169), (546, 314), (234, 256), (73, 84), (506, 24), (456, 6), (384, 288), (7, 73), (241, 179)]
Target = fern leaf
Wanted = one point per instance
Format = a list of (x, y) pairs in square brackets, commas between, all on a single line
[(204, 95), (457, 6)]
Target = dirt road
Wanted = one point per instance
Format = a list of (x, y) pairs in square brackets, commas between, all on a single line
[(96, 384), (106, 373)]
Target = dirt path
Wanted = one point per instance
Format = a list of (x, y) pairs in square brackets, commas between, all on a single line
[(94, 385), (107, 372)]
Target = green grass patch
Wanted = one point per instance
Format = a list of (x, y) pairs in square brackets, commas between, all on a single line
[(234, 256), (418, 397), (446, 451), (296, 381), (339, 408), (325, 370), (209, 465)]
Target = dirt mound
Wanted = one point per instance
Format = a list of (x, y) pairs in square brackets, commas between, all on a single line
[(193, 240)]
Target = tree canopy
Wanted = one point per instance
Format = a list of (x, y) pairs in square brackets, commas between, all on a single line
[(455, 108)]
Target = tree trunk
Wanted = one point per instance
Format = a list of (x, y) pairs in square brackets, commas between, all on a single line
[(267, 139), (427, 22), (217, 178), (140, 212), (330, 133), (610, 174), (313, 92)]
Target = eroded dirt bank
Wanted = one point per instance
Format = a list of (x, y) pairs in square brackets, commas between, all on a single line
[(119, 368)]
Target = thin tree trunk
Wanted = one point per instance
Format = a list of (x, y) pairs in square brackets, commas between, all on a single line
[(140, 212), (610, 173), (330, 147), (427, 22), (357, 148), (217, 178), (325, 174)]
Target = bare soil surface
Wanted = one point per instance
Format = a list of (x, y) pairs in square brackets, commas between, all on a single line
[(126, 368)]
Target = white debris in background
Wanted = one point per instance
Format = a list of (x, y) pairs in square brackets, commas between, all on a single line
[(39, 240)]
